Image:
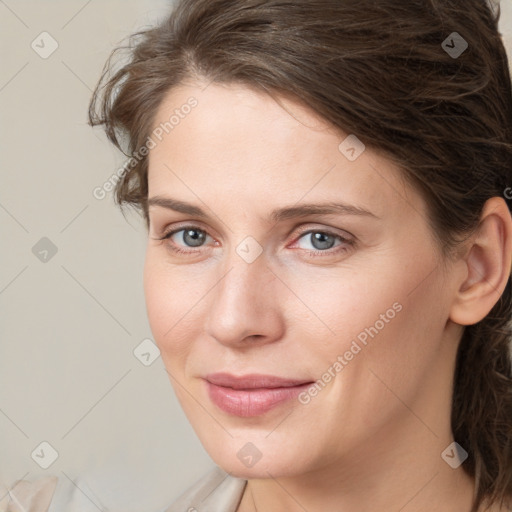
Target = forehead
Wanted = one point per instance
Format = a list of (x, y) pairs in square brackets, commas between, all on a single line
[(238, 141)]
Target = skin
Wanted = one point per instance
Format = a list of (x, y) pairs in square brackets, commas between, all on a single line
[(372, 438)]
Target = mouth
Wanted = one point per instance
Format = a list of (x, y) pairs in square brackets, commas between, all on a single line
[(252, 395)]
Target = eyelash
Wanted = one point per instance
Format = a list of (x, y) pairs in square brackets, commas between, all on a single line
[(315, 253)]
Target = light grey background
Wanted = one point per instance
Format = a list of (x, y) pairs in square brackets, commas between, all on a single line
[(69, 326), (68, 374)]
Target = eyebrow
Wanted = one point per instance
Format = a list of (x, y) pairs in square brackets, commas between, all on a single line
[(279, 214)]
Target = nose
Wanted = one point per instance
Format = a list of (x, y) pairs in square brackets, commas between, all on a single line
[(244, 305)]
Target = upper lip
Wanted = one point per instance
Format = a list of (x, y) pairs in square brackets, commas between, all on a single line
[(253, 381)]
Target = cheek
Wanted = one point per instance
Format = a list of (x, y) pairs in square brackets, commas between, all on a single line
[(346, 303), (171, 295), (400, 335), (392, 320), (387, 342)]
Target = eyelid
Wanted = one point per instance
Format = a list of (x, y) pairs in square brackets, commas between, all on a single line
[(345, 245), (175, 227), (302, 230), (167, 234), (345, 235)]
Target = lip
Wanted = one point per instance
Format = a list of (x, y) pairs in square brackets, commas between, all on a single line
[(252, 394)]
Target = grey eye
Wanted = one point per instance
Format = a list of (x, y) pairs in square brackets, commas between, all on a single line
[(192, 237), (318, 240)]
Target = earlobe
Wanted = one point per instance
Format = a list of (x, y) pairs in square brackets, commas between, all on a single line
[(487, 264)]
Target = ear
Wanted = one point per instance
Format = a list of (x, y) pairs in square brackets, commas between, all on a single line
[(487, 265)]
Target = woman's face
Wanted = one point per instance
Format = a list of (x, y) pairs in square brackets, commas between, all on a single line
[(296, 257)]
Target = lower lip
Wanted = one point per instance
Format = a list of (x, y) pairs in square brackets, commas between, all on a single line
[(247, 403)]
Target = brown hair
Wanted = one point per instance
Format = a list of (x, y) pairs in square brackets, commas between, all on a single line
[(387, 72)]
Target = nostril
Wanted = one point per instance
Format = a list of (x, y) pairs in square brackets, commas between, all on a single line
[(253, 337)]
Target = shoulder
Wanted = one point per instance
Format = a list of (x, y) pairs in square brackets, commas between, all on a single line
[(29, 495), (48, 494), (217, 490)]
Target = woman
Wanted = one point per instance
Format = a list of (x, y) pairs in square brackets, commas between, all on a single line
[(326, 189)]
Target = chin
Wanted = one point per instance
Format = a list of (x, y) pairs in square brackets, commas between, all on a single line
[(262, 469), (255, 459)]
